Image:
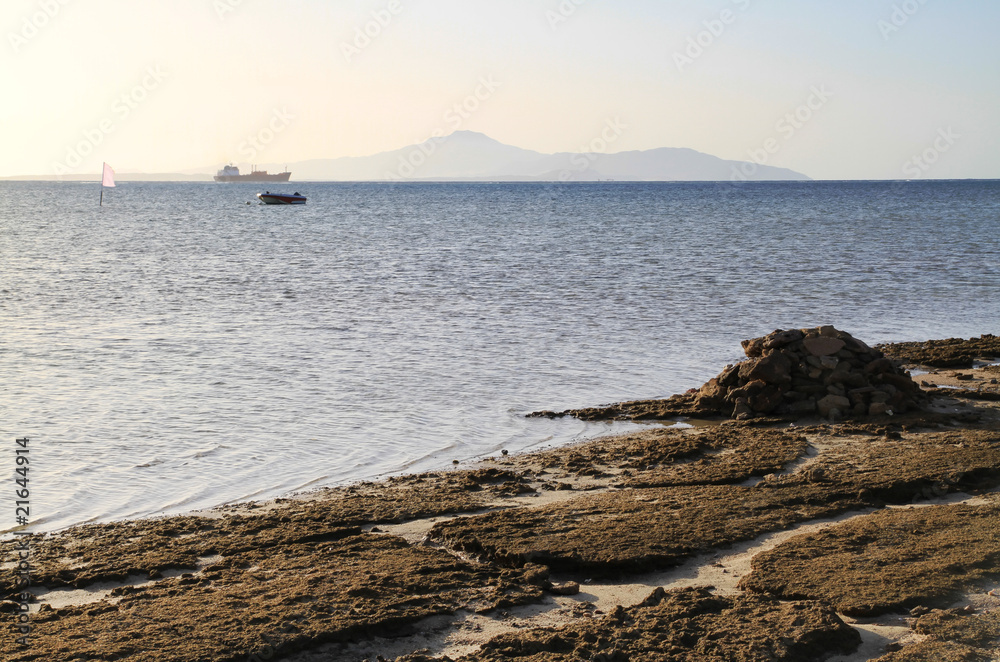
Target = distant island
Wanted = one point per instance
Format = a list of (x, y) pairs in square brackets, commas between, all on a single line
[(472, 156)]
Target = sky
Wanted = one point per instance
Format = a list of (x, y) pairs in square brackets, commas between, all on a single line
[(852, 89)]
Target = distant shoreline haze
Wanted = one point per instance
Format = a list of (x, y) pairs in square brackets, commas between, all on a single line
[(472, 156)]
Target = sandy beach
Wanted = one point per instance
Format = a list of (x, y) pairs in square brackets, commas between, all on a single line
[(780, 521)]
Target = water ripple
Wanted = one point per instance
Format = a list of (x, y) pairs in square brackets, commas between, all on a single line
[(176, 349)]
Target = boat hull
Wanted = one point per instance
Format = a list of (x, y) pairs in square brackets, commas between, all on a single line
[(277, 199)]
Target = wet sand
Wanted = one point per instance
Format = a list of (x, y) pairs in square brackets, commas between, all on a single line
[(764, 539)]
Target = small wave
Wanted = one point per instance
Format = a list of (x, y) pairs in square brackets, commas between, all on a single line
[(199, 455)]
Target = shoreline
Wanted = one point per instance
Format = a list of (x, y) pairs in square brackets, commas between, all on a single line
[(609, 538)]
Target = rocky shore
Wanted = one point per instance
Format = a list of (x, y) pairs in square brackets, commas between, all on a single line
[(836, 504)]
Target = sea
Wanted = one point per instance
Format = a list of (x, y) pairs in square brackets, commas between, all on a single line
[(183, 347)]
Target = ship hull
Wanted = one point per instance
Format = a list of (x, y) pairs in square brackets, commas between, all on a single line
[(254, 177)]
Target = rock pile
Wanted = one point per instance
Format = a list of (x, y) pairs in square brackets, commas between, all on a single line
[(811, 371)]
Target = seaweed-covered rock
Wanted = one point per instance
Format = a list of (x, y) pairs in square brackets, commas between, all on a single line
[(891, 560), (681, 626), (949, 353)]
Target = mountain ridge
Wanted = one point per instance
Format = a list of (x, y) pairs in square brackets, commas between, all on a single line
[(470, 155), (474, 156)]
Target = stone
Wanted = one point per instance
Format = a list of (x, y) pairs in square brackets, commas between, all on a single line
[(772, 369), (711, 389), (569, 588), (766, 401), (879, 366), (831, 402), (802, 407), (746, 392), (855, 380), (730, 376), (742, 410), (823, 346), (829, 332), (901, 382), (857, 346), (829, 362), (780, 339), (837, 377), (878, 409), (754, 347)]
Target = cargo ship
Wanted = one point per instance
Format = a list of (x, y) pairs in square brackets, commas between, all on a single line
[(232, 174)]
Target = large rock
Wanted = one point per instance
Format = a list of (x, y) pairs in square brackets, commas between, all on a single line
[(823, 346), (804, 371)]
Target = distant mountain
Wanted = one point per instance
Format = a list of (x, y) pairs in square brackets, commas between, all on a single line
[(467, 155)]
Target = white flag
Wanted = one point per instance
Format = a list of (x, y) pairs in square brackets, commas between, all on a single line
[(109, 177)]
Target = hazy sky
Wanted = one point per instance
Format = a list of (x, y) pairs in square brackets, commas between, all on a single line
[(835, 89)]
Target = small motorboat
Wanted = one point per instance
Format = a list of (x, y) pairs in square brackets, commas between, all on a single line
[(269, 198)]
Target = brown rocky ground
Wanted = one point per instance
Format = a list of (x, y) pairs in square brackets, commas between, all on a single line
[(80, 557), (554, 555), (892, 560), (682, 625), (952, 635), (646, 529), (950, 353), (288, 598)]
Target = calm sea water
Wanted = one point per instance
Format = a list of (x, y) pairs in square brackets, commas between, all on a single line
[(178, 348)]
